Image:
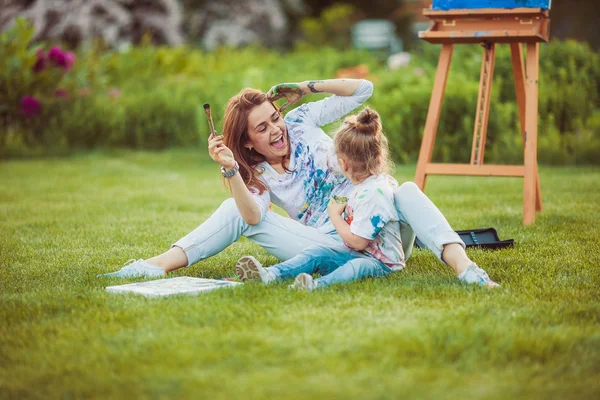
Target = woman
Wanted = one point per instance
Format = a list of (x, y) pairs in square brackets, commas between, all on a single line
[(290, 162)]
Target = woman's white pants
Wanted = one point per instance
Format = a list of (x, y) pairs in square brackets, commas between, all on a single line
[(284, 237)]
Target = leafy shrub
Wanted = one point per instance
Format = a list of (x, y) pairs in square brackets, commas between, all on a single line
[(35, 84), (568, 106), (331, 28), (152, 97)]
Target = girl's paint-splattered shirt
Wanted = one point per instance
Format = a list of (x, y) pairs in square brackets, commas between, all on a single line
[(305, 192), (372, 215)]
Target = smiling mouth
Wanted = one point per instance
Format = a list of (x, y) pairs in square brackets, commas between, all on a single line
[(278, 143)]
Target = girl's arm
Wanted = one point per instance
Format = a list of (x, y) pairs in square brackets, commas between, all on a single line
[(352, 240), (246, 204), (335, 211)]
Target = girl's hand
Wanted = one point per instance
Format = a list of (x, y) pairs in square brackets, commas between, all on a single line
[(335, 208), (291, 91), (220, 153)]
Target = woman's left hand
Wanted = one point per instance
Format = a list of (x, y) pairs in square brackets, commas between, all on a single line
[(335, 208), (291, 91)]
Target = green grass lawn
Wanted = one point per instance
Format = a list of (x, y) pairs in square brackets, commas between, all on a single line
[(418, 334)]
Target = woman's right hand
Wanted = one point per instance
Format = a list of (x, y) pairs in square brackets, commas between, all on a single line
[(291, 91), (220, 153)]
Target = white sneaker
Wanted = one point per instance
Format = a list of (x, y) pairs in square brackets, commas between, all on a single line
[(304, 282), (137, 269), (249, 268), (474, 274)]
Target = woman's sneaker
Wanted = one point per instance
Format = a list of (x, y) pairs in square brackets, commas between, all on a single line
[(474, 274), (304, 282), (137, 269), (249, 269)]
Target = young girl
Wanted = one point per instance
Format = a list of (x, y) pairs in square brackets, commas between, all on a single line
[(367, 222)]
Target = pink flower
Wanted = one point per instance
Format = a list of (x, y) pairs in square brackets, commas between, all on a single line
[(30, 106), (55, 55), (40, 63), (61, 93), (61, 59), (69, 60), (83, 92)]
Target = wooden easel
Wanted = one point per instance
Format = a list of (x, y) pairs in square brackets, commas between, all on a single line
[(489, 27)]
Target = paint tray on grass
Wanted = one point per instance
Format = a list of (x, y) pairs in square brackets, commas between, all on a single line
[(486, 238), (172, 286)]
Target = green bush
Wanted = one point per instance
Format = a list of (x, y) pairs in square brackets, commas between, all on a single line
[(37, 85), (151, 97), (331, 28), (569, 105)]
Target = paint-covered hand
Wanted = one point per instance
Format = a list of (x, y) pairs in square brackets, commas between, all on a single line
[(340, 199), (291, 91), (220, 153), (335, 207)]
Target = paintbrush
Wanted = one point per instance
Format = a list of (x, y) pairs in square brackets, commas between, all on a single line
[(213, 132), (211, 125)]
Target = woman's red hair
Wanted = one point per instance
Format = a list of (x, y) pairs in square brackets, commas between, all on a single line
[(235, 135)]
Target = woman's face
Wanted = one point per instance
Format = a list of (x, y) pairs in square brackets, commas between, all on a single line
[(267, 133)]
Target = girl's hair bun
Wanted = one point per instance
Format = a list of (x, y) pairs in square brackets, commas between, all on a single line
[(367, 122)]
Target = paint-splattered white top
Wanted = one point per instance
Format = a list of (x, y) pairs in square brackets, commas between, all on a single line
[(305, 192), (372, 215)]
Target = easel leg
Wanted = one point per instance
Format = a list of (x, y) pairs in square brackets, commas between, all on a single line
[(483, 103), (519, 76), (531, 120), (433, 114)]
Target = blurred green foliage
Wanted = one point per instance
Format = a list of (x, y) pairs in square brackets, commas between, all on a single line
[(332, 27), (151, 97)]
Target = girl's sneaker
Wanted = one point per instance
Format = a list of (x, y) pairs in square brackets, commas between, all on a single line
[(137, 269), (304, 282), (249, 269), (474, 274)]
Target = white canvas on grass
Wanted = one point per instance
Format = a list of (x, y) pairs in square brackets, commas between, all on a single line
[(172, 286)]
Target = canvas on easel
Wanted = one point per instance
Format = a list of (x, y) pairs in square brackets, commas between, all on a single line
[(489, 22)]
